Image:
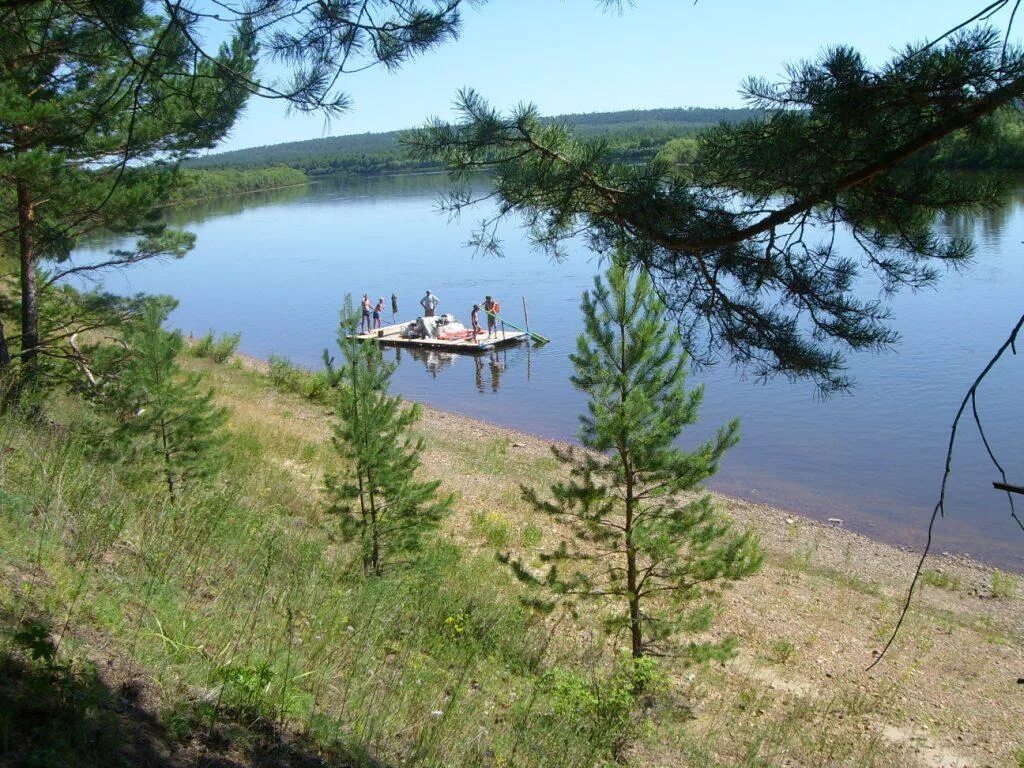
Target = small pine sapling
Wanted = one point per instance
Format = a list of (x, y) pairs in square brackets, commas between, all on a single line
[(165, 418), (653, 556), (380, 502)]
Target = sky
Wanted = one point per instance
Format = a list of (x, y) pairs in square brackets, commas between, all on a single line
[(572, 56)]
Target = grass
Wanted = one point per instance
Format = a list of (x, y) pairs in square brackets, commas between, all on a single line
[(781, 651), (941, 579), (287, 377), (492, 527), (215, 594), (1004, 585), (237, 615)]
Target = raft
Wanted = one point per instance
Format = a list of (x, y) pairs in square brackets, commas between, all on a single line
[(391, 336)]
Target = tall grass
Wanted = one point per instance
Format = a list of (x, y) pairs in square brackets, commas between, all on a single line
[(238, 613), (240, 607)]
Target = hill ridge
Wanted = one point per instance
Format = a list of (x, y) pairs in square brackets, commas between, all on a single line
[(380, 151)]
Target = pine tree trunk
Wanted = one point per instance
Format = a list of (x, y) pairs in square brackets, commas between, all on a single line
[(168, 474), (5, 352), (364, 517), (635, 633), (374, 533), (368, 521), (29, 288)]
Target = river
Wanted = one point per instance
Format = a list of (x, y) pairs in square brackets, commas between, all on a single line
[(276, 265)]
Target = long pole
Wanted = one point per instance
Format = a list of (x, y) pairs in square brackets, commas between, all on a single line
[(526, 316), (534, 336)]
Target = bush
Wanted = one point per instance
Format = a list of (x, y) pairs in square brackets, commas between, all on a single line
[(219, 349), (1004, 585), (607, 711), (288, 377), (940, 579)]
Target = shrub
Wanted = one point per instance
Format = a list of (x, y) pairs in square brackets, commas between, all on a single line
[(1004, 585), (940, 579), (225, 347), (288, 377), (219, 349), (606, 711)]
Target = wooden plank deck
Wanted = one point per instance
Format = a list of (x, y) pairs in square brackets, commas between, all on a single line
[(391, 336)]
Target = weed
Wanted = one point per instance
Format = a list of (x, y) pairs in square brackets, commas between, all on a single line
[(941, 579), (606, 709), (991, 633), (495, 455), (219, 349), (1004, 585), (455, 624), (781, 651), (492, 526), (34, 638), (801, 559), (244, 689), (531, 536), (793, 529)]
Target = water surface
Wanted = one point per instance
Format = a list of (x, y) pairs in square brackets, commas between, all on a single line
[(275, 267)]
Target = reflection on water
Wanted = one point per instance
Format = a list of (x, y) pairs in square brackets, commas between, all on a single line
[(988, 226), (497, 360), (434, 361), (488, 367), (276, 267)]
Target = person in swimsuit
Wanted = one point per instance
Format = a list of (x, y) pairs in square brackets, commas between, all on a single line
[(364, 324), (376, 312), (474, 317)]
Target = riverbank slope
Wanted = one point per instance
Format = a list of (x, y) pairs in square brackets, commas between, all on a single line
[(225, 630)]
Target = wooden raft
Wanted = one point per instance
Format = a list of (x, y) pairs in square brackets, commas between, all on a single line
[(391, 336)]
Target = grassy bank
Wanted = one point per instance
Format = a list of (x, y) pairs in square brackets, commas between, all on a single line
[(229, 627)]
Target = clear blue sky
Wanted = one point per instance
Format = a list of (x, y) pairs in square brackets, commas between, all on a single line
[(570, 56)]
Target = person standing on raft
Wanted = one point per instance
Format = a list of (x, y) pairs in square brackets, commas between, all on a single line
[(474, 318), (429, 303), (491, 307), (377, 310), (364, 324)]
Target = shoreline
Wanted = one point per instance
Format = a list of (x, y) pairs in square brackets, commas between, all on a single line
[(773, 521), (775, 524)]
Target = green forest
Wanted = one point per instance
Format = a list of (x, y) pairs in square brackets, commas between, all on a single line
[(193, 185), (633, 136)]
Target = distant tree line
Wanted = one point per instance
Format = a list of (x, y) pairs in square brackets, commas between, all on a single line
[(631, 137), (193, 185)]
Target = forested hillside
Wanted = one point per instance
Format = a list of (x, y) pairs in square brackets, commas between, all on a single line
[(634, 134)]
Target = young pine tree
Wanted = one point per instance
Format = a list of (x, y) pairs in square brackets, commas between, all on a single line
[(636, 545), (377, 496), (165, 419)]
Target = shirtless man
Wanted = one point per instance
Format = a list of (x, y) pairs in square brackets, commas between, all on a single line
[(364, 324)]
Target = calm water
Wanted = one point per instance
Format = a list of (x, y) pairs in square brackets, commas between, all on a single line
[(275, 266)]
